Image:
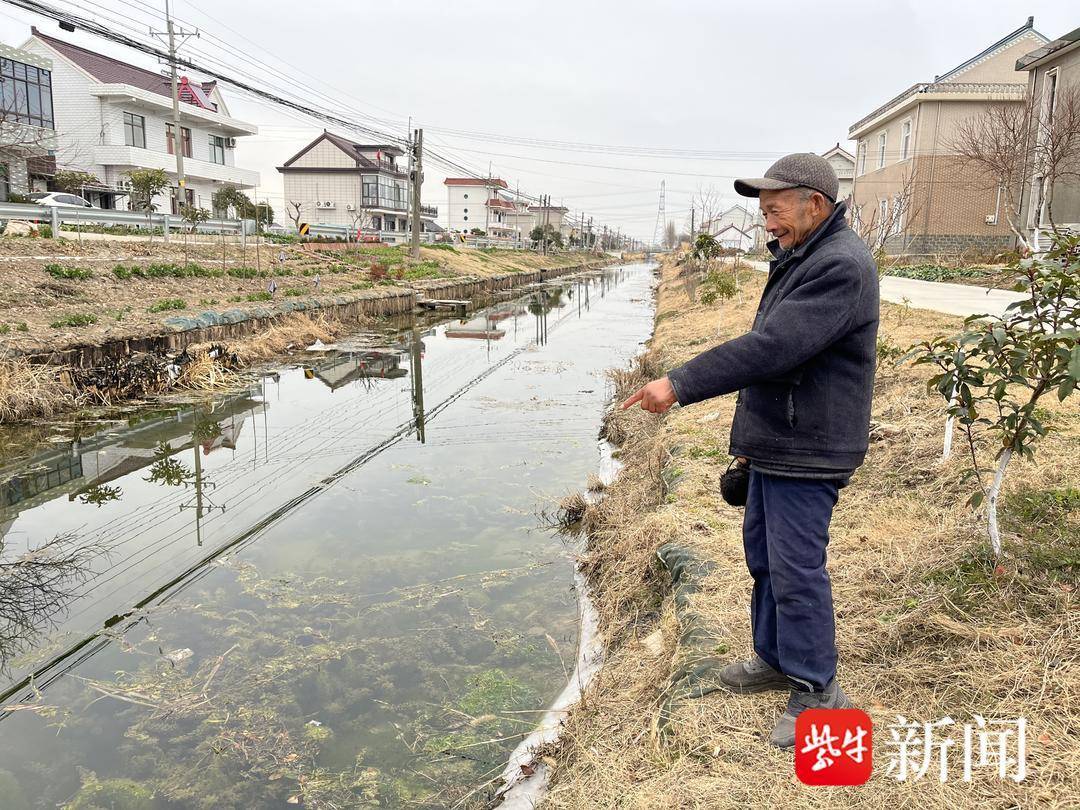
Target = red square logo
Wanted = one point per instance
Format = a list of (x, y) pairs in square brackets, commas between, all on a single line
[(833, 747)]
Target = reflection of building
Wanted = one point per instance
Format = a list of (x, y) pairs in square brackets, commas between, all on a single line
[(338, 370), (30, 482), (482, 327)]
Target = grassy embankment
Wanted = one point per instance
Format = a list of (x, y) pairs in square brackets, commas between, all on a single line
[(928, 625), (59, 294)]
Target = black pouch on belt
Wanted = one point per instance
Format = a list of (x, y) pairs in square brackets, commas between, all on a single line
[(735, 482)]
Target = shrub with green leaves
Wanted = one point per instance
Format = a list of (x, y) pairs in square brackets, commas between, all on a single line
[(68, 273), (933, 272), (719, 285), (79, 319), (168, 305), (994, 372)]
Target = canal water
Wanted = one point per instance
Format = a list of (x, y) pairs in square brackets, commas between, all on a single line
[(335, 589)]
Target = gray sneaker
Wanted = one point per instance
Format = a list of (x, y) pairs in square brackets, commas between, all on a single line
[(747, 677), (783, 734)]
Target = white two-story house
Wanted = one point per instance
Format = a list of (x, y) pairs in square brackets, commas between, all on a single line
[(112, 117)]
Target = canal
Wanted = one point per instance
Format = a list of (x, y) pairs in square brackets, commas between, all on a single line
[(334, 589)]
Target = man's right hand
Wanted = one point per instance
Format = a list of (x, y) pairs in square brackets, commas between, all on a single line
[(656, 397)]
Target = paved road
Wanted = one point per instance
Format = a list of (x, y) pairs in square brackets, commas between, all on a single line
[(952, 299)]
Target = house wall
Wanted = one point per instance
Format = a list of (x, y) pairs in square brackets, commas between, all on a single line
[(466, 207), (323, 155), (1066, 195), (85, 122), (1000, 65)]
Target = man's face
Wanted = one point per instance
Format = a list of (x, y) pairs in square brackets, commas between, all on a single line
[(788, 217)]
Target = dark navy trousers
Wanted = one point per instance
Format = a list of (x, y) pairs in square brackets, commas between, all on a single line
[(785, 532)]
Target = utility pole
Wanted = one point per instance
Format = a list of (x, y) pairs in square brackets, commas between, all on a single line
[(169, 38), (417, 184)]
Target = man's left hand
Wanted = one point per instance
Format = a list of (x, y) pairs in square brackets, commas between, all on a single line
[(656, 397)]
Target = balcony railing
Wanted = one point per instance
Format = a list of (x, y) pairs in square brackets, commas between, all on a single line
[(384, 202)]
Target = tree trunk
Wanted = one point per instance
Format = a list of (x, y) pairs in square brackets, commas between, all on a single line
[(991, 506)]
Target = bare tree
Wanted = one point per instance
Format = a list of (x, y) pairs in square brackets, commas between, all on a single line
[(882, 222), (36, 587), (1012, 144), (361, 221), (295, 212), (671, 236), (709, 202)]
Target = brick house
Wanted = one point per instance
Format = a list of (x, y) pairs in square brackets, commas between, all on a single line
[(909, 180), (112, 117), (1054, 66)]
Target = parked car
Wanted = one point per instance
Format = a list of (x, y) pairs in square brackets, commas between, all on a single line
[(59, 198)]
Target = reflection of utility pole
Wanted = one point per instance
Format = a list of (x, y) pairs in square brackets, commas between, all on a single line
[(202, 502), (416, 367)]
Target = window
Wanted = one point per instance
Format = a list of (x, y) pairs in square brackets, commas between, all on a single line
[(883, 220), (26, 93), (5, 182), (466, 196), (217, 149), (881, 140), (185, 140), (898, 215), (134, 130), (465, 210), (862, 157), (905, 140), (465, 218)]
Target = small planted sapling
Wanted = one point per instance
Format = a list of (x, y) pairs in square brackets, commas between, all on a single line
[(994, 373)]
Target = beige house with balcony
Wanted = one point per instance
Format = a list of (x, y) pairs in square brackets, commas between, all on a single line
[(911, 194), (112, 117), (1049, 70), (337, 181)]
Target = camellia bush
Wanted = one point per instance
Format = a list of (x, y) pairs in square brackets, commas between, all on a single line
[(993, 374)]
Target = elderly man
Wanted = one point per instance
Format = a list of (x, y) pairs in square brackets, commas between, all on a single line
[(805, 377)]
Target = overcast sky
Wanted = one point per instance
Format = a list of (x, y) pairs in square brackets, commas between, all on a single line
[(744, 82)]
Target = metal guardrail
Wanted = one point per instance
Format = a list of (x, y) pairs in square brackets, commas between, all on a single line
[(56, 215)]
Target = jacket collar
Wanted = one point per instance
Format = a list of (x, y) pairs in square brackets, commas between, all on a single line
[(834, 223)]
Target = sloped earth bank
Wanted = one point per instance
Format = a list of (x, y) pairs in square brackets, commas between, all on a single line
[(60, 294), (928, 625), (332, 590)]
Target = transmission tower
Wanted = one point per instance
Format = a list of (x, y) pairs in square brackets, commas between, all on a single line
[(661, 217)]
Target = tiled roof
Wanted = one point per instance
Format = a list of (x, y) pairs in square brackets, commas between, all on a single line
[(111, 71), (498, 202), (1066, 41), (475, 181), (353, 150)]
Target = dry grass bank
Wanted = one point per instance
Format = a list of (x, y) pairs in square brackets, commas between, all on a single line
[(29, 391), (927, 625)]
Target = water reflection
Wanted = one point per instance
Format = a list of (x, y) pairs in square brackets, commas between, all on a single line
[(333, 546)]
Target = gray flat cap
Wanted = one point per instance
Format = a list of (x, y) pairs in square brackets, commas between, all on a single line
[(792, 171)]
